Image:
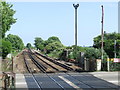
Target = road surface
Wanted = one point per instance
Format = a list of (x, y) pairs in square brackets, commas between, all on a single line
[(71, 81)]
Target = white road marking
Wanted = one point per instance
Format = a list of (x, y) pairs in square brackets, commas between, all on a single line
[(35, 81), (113, 81), (21, 83), (69, 82)]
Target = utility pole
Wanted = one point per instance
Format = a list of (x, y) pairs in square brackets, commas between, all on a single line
[(102, 33), (115, 49), (76, 6)]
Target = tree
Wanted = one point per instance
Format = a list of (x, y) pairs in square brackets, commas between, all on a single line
[(54, 46), (94, 53), (89, 53), (6, 48), (54, 49), (39, 43), (109, 39), (6, 18), (16, 41), (70, 53), (28, 45), (0, 47), (53, 39), (74, 51)]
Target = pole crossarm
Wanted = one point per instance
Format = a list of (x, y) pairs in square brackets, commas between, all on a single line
[(76, 6)]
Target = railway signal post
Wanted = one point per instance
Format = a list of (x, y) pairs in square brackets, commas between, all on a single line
[(115, 49), (76, 6), (102, 34)]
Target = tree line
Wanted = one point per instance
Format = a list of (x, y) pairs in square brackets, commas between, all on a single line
[(53, 47), (9, 43)]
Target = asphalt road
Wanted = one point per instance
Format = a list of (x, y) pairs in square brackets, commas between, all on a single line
[(72, 81), (112, 77)]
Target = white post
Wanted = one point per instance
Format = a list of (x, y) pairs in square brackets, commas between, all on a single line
[(108, 64), (98, 64)]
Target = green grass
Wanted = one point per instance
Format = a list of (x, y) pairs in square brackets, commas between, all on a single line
[(4, 65), (54, 55), (15, 53)]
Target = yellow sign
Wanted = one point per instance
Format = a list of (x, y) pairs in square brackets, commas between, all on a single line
[(110, 59)]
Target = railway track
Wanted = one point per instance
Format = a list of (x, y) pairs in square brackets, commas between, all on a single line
[(33, 68), (65, 77), (66, 67), (40, 64), (48, 65), (30, 71), (51, 64), (42, 69), (58, 63)]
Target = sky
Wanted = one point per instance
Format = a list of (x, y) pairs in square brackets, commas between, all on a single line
[(46, 19)]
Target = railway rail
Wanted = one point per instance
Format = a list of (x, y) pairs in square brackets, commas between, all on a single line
[(69, 80), (51, 64), (30, 71), (47, 64), (55, 62), (33, 68), (42, 69), (65, 66)]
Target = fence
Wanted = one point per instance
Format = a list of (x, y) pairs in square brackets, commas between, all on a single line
[(113, 65), (8, 80), (90, 65), (106, 65)]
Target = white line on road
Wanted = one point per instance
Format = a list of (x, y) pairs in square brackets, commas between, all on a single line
[(113, 81), (21, 83), (36, 81), (68, 82)]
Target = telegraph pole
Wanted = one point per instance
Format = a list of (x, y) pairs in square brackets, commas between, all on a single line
[(76, 6), (115, 49), (102, 33)]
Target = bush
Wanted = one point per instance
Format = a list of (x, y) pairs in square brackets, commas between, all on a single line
[(6, 48), (16, 42), (94, 53), (0, 47), (114, 66)]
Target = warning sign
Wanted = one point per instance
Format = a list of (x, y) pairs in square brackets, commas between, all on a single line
[(116, 60)]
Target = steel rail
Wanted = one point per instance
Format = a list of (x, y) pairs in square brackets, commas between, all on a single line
[(59, 83), (39, 65), (72, 77), (78, 80), (30, 71), (82, 81), (49, 64), (50, 76), (57, 63)]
